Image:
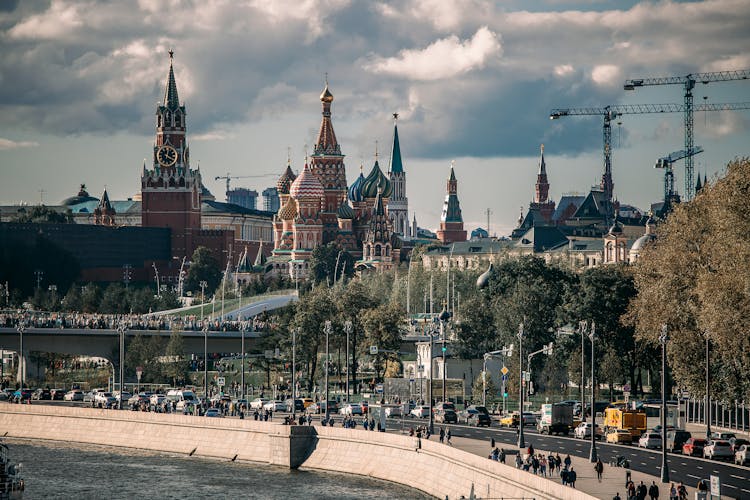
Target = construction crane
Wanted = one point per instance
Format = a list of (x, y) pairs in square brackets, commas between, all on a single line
[(229, 177), (688, 82), (614, 111), (666, 163)]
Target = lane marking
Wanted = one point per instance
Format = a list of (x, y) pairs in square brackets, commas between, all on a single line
[(696, 477), (736, 477), (729, 486)]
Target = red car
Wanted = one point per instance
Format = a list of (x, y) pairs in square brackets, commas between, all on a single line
[(694, 447)]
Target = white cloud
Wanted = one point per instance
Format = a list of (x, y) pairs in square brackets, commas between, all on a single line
[(563, 70), (442, 59), (6, 144), (59, 20), (607, 75), (313, 12), (214, 135)]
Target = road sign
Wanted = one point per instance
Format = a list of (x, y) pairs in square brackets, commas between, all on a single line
[(504, 370), (220, 381), (379, 388), (138, 372), (505, 377), (373, 350), (626, 388), (715, 486), (526, 376)]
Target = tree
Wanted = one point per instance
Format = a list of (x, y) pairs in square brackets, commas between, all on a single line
[(176, 366), (91, 298), (203, 267), (383, 329), (483, 383), (42, 214), (324, 260), (695, 280), (114, 300), (311, 313)]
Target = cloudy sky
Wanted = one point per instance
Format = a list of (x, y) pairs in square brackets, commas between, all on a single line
[(473, 82)]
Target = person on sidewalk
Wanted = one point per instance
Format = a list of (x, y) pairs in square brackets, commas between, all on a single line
[(448, 438), (673, 492), (502, 455), (518, 460), (551, 463), (617, 496), (599, 468), (641, 491), (564, 477), (653, 491), (682, 491), (572, 476), (567, 462), (492, 443), (442, 435), (632, 495)]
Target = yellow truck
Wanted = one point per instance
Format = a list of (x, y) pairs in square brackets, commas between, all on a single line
[(633, 421)]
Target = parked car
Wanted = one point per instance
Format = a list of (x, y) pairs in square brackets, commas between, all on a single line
[(445, 405), (677, 438), (73, 395), (717, 449), (393, 411), (583, 431), (420, 411), (137, 399), (510, 420), (41, 394), (472, 416), (58, 394), (351, 409), (619, 436), (88, 397), (742, 455), (694, 447), (529, 418), (446, 417), (275, 406), (257, 403), (649, 440), (157, 399), (214, 412), (292, 405), (104, 400), (723, 436)]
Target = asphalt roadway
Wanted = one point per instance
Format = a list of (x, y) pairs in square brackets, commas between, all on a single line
[(735, 479)]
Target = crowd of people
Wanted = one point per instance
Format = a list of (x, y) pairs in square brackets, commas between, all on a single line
[(77, 320)]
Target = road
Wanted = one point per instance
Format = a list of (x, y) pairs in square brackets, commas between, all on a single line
[(735, 480)]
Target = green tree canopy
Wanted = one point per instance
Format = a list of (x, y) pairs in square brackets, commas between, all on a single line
[(324, 260), (203, 267)]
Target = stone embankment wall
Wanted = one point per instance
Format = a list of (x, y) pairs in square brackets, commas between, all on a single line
[(436, 469)]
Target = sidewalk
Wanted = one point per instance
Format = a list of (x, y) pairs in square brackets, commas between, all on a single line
[(613, 478)]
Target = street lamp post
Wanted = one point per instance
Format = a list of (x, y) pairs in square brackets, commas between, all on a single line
[(294, 373), (205, 359), (242, 377), (592, 453), (348, 330), (203, 284), (122, 328), (582, 328), (663, 339), (429, 388), (444, 317), (521, 441), (156, 273), (327, 330), (707, 410), (21, 360)]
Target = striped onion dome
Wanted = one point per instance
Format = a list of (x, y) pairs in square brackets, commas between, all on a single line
[(306, 186), (355, 190), (374, 181), (289, 210), (285, 181), (345, 211)]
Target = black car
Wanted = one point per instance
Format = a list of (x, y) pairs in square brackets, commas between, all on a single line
[(676, 438), (446, 417), (41, 394)]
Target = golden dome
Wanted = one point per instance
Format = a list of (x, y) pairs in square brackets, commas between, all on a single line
[(326, 96), (288, 211)]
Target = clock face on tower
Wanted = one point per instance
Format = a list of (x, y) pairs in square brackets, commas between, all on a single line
[(166, 156)]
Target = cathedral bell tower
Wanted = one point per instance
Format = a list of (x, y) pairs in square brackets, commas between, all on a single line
[(170, 190)]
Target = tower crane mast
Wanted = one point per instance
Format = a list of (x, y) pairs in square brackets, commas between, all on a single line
[(688, 83), (666, 163)]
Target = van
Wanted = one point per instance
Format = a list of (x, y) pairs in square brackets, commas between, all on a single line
[(182, 398), (675, 440)]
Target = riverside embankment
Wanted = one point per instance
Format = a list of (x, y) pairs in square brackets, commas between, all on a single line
[(428, 466)]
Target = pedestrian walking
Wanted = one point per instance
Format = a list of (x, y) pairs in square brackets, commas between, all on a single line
[(518, 461), (641, 491), (502, 456), (567, 461), (564, 477), (632, 494), (682, 491), (543, 465), (599, 468), (673, 492), (492, 442), (617, 496), (653, 491), (572, 476), (448, 437), (551, 462), (442, 434)]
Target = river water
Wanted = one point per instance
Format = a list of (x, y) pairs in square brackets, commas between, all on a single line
[(65, 470)]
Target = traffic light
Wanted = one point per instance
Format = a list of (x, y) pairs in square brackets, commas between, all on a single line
[(443, 349), (505, 394)]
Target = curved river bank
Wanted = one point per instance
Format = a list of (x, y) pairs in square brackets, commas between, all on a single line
[(62, 470)]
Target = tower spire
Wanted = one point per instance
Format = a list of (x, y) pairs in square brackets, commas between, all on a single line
[(542, 185), (171, 99), (396, 163)]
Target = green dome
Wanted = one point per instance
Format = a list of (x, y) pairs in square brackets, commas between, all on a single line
[(376, 179), (345, 211)]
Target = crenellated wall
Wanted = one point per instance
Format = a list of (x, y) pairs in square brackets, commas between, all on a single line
[(436, 469)]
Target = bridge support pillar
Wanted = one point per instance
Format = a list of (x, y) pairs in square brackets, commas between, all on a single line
[(22, 371)]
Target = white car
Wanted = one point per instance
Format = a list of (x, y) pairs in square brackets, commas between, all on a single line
[(718, 449), (275, 406), (393, 411), (157, 399), (74, 395), (104, 400), (649, 440), (351, 409), (214, 412), (422, 411), (742, 455), (583, 431), (257, 403)]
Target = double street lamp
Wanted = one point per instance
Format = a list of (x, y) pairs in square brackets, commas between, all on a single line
[(21, 328), (521, 381), (122, 328), (205, 359), (348, 330), (327, 329), (663, 339)]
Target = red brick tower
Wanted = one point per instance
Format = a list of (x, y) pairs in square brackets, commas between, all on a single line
[(542, 203), (170, 190), (451, 220), (327, 164)]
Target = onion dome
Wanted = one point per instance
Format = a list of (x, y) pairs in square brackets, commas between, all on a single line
[(306, 186), (326, 96), (375, 181), (484, 278), (289, 210), (285, 181), (82, 197), (355, 190), (345, 211), (616, 228)]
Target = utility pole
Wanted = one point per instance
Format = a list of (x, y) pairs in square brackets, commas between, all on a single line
[(663, 339), (327, 330), (348, 330), (592, 452), (521, 442), (488, 212)]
